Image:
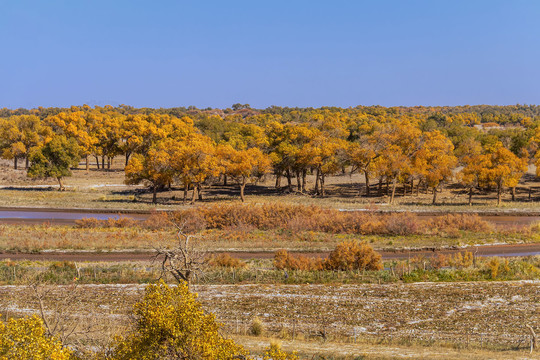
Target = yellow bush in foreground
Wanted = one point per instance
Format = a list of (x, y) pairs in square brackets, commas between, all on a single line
[(25, 339), (170, 323)]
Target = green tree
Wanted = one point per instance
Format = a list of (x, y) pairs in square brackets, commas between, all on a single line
[(55, 159)]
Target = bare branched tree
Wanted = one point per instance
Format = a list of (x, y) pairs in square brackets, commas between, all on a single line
[(58, 316), (183, 261)]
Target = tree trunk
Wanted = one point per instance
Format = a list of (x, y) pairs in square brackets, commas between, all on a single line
[(434, 196), (127, 158), (317, 182), (470, 195), (26, 162), (185, 194), (242, 187), (194, 197), (97, 162), (514, 193), (289, 179), (103, 162), (199, 190), (366, 175), (387, 186), (393, 190), (322, 184), (108, 163), (278, 179), (499, 190), (61, 185), (224, 179), (380, 186), (298, 181), (87, 164), (304, 175), (154, 194), (15, 163)]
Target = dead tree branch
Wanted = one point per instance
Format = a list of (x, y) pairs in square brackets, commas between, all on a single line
[(183, 261)]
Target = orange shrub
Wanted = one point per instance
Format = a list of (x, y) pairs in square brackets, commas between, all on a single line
[(284, 260), (226, 260), (467, 222), (439, 261), (352, 255)]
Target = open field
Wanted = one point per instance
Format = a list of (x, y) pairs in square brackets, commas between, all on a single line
[(100, 189), (472, 316)]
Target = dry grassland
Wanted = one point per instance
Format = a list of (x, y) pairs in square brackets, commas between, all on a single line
[(486, 318)]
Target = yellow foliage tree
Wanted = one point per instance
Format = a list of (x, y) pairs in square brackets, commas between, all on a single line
[(194, 160), (74, 124), (326, 155), (243, 165), (22, 134), (495, 166), (435, 160), (400, 143), (153, 169)]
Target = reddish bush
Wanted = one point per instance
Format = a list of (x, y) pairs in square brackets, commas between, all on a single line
[(402, 224)]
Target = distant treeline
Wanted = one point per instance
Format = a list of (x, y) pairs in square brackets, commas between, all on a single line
[(418, 147)]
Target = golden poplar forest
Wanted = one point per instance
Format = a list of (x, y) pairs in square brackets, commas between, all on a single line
[(480, 148)]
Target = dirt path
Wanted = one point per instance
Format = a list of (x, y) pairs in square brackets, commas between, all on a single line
[(487, 250)]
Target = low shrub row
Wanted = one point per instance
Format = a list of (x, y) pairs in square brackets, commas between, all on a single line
[(298, 218)]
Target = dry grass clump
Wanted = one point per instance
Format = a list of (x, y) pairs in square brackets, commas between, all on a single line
[(257, 327), (348, 255), (92, 223), (227, 261)]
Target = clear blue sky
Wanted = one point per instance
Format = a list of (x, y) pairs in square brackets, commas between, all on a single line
[(287, 53)]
